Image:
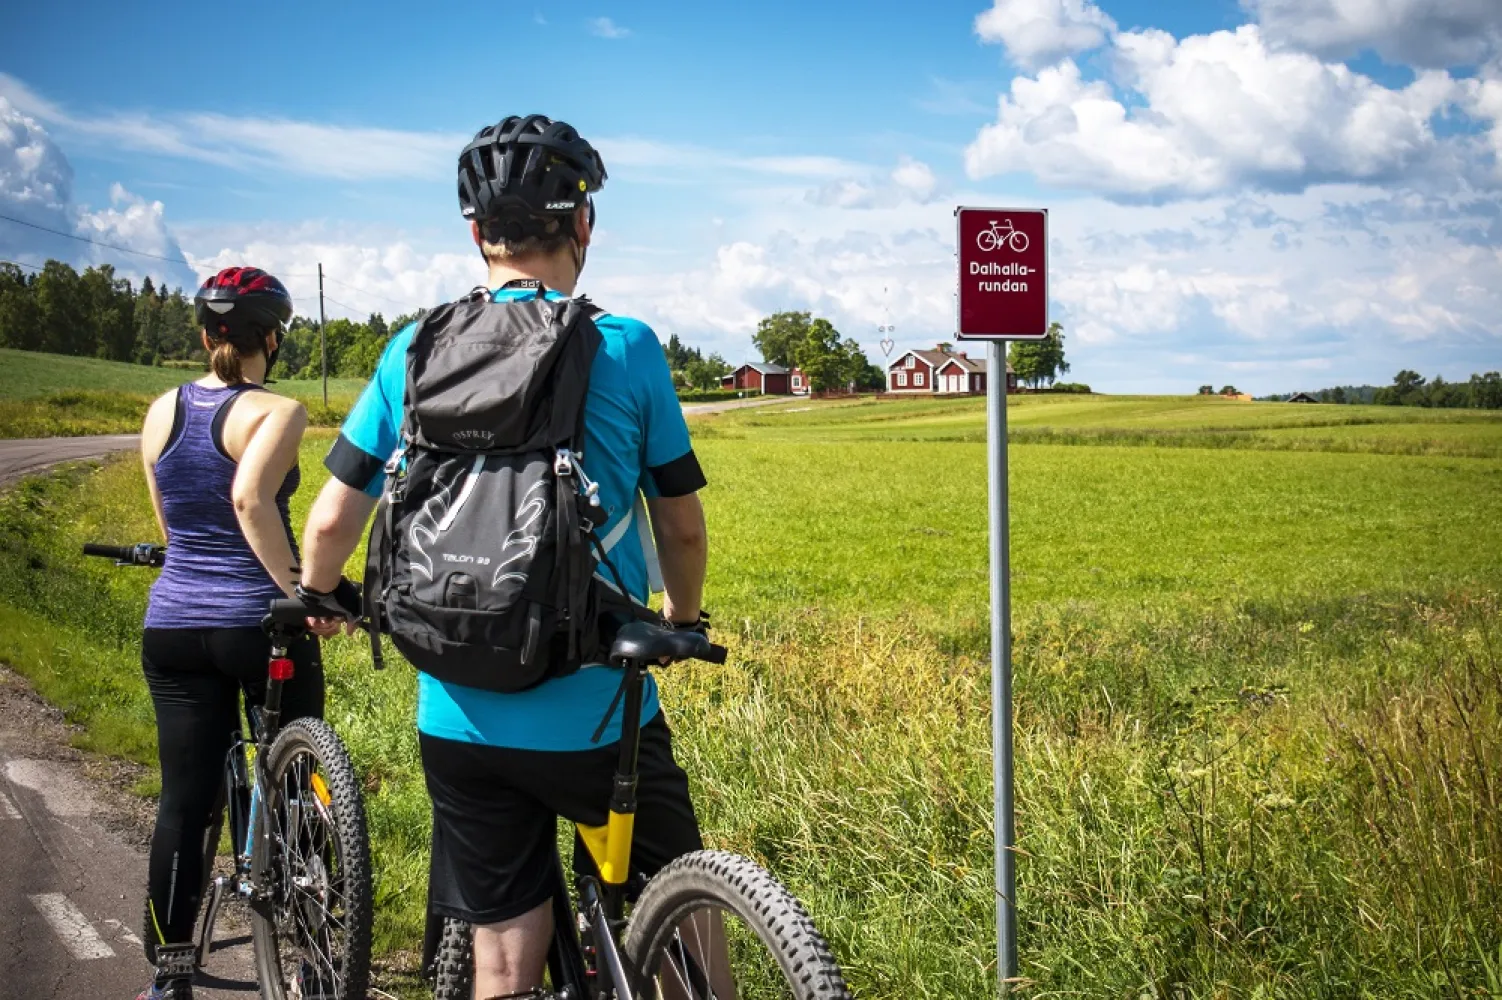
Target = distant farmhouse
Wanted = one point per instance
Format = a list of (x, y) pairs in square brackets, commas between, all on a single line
[(1302, 397), (942, 371), (767, 379)]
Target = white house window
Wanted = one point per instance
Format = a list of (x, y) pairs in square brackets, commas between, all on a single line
[(918, 379), (902, 379), (911, 362), (797, 381)]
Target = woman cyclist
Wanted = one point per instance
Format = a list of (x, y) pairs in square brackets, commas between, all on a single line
[(221, 464)]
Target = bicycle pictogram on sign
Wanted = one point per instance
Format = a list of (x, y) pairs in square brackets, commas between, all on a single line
[(1000, 235)]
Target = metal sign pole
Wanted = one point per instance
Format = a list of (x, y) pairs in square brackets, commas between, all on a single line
[(1001, 666), (1002, 295)]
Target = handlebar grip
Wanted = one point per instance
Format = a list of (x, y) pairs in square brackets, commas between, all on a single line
[(717, 654), (288, 611), (140, 554)]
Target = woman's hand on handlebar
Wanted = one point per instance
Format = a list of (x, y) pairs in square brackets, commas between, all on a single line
[(332, 611)]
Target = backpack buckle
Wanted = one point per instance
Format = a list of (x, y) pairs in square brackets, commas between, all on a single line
[(563, 463)]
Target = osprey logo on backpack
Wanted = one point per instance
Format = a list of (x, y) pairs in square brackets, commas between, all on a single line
[(482, 562)]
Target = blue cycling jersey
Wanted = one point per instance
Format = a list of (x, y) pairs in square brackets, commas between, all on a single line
[(635, 443)]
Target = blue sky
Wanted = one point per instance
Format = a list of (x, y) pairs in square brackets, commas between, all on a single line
[(1272, 193)]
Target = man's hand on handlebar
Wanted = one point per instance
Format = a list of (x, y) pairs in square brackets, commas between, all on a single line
[(331, 611)]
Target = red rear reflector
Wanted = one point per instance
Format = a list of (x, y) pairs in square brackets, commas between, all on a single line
[(281, 670)]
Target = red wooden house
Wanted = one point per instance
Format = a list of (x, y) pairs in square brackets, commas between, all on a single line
[(942, 371)]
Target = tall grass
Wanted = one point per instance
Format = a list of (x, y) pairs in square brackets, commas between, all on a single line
[(1258, 731)]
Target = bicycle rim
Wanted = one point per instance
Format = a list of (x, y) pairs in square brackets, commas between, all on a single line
[(772, 949), (313, 940)]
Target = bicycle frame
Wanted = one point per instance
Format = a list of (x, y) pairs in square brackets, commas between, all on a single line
[(585, 960)]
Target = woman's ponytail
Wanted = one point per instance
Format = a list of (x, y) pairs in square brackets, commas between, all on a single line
[(225, 361)]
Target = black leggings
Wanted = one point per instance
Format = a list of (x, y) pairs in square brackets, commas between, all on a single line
[(196, 677)]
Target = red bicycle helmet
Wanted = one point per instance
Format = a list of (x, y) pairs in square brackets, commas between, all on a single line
[(241, 297)]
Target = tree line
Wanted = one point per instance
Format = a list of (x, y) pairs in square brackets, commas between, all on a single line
[(1036, 362), (97, 314), (1409, 388), (691, 370), (832, 363)]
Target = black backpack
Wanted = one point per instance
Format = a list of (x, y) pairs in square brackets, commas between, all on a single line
[(482, 557)]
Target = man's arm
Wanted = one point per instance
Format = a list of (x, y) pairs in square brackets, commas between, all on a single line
[(683, 549), (335, 526)]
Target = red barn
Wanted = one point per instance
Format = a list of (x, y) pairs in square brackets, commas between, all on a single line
[(761, 377)]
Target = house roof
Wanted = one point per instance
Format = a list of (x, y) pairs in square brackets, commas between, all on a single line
[(938, 359), (765, 367)]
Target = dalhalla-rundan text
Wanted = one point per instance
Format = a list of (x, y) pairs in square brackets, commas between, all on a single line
[(977, 268)]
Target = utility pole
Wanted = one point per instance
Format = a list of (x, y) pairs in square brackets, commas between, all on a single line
[(323, 347)]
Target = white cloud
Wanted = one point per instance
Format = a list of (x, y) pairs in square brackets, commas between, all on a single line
[(915, 177), (1430, 33), (342, 152), (36, 188), (1038, 32), (1349, 281), (910, 181), (604, 27), (1213, 113)]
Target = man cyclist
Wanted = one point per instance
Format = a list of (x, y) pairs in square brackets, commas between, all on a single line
[(500, 768)]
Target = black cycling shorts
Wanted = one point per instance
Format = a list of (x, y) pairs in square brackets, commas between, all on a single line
[(495, 818)]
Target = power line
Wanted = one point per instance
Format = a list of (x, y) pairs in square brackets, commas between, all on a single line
[(341, 304), (362, 291), (17, 263), (97, 243)]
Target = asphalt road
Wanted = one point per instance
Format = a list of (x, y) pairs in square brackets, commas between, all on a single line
[(20, 456), (73, 873)]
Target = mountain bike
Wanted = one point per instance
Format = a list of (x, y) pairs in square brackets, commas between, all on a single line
[(998, 235), (774, 950), (301, 853)]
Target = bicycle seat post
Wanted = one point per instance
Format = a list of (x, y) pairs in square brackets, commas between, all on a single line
[(279, 670)]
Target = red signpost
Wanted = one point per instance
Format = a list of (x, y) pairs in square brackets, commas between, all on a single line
[(1003, 291), (1002, 295)]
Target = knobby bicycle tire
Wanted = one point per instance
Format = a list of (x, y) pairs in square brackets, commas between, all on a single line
[(739, 886), (454, 968), (347, 806)]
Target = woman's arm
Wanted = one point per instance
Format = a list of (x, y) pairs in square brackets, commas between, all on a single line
[(269, 453), (154, 433)]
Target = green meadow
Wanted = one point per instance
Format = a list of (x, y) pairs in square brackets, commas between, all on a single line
[(1258, 676), (51, 395)]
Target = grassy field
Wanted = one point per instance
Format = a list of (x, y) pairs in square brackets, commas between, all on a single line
[(1259, 689), (48, 395)]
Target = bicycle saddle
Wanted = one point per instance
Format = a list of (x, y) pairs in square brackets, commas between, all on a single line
[(643, 643)]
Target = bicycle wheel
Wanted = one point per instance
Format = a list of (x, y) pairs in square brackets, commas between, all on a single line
[(1017, 241), (986, 240), (774, 949), (454, 969), (312, 936)]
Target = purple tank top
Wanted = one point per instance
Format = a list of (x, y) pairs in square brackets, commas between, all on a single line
[(211, 578)]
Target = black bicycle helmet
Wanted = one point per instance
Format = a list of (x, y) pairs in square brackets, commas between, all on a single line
[(239, 298), (525, 170)]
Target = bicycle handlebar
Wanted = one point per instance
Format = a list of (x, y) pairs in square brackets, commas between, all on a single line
[(140, 554)]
